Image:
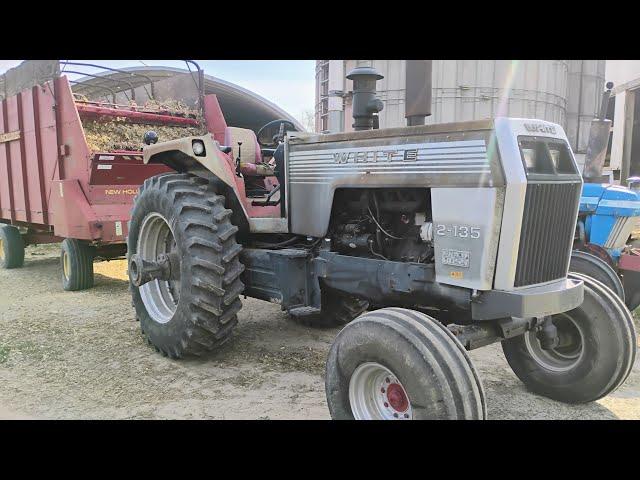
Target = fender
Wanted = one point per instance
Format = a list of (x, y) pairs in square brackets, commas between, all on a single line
[(214, 165)]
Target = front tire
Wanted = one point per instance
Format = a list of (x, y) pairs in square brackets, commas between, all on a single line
[(195, 311), (401, 364), (76, 264), (597, 350), (11, 247)]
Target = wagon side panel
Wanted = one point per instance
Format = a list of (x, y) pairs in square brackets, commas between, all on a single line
[(18, 178), (28, 155), (6, 192), (76, 158), (44, 112), (31, 161)]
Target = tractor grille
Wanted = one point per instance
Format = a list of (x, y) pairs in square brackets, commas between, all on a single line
[(548, 226)]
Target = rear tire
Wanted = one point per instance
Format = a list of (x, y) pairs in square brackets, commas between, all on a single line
[(76, 264), (197, 312), (11, 247), (431, 373), (594, 267), (337, 310), (596, 358)]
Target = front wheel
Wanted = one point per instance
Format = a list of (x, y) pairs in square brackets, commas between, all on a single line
[(595, 353), (399, 364), (191, 310)]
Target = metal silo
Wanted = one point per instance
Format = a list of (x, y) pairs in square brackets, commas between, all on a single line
[(561, 91)]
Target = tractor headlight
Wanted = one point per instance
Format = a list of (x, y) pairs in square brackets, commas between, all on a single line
[(198, 148)]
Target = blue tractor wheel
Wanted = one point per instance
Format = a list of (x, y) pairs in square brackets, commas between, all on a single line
[(594, 267)]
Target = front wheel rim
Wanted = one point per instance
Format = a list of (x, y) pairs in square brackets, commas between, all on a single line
[(160, 297), (567, 354), (375, 393)]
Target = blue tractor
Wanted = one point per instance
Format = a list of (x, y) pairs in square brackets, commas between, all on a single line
[(604, 247)]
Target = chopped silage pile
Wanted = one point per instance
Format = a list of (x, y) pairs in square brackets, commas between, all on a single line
[(118, 133)]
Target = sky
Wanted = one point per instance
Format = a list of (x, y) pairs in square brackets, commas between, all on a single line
[(290, 84)]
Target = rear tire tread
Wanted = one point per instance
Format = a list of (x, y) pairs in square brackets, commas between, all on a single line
[(213, 287)]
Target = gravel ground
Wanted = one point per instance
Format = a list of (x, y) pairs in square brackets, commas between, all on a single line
[(80, 355)]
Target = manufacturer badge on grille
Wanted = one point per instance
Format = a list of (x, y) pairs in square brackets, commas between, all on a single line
[(455, 258)]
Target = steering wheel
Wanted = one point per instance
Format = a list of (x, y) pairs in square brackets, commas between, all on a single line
[(273, 132)]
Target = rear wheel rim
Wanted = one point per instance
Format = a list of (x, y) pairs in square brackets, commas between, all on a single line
[(375, 393), (567, 354), (160, 297), (66, 267)]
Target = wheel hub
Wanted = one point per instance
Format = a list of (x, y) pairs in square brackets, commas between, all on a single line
[(569, 347), (375, 393), (157, 257), (397, 397)]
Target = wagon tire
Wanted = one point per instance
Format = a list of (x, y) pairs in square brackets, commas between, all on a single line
[(204, 300), (76, 264), (597, 359), (11, 247), (395, 363)]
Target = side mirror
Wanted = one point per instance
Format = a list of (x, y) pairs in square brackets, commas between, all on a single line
[(150, 137)]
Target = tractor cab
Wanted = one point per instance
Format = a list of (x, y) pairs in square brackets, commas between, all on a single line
[(259, 160), (249, 163)]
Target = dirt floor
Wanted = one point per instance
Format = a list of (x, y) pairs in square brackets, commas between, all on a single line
[(80, 355)]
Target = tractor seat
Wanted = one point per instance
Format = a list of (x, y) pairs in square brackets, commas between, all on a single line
[(250, 148)]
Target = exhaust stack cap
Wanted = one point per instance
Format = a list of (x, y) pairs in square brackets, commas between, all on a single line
[(365, 104), (417, 91)]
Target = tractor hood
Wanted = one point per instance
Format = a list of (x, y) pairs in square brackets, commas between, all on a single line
[(606, 199)]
